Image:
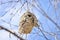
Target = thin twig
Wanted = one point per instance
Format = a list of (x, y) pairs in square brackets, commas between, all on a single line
[(8, 2), (43, 34)]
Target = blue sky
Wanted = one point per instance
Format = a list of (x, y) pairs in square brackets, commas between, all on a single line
[(11, 12)]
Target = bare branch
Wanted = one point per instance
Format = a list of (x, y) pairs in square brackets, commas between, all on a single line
[(11, 32), (45, 14), (18, 9)]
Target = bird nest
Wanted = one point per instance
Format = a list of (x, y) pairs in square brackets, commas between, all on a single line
[(27, 21)]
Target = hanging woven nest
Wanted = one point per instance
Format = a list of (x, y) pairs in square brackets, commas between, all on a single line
[(27, 21)]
